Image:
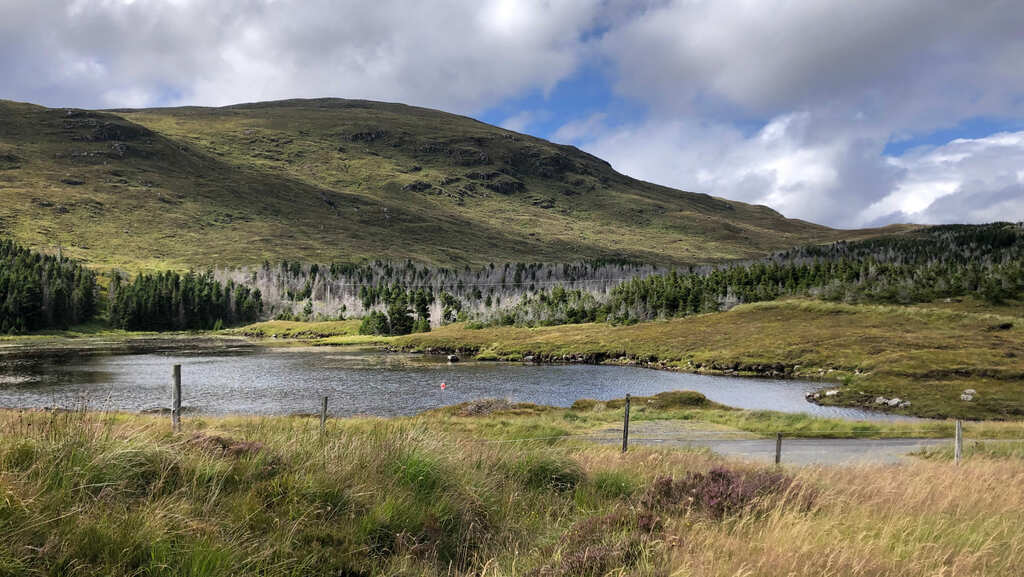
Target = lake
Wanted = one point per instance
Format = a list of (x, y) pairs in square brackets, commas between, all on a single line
[(292, 380)]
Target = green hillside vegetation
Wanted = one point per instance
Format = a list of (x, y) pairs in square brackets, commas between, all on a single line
[(95, 494), (339, 180), (985, 262), (926, 356)]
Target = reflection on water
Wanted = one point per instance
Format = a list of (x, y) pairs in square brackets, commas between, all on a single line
[(293, 380)]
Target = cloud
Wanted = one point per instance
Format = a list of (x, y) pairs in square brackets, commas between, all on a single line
[(964, 180), (520, 121), (910, 65), (447, 54), (844, 180), (577, 129), (787, 164), (787, 103)]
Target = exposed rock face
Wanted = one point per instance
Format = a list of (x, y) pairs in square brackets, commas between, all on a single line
[(418, 186), (506, 185), (369, 135), (536, 162), (894, 402), (110, 131), (9, 161), (118, 149)]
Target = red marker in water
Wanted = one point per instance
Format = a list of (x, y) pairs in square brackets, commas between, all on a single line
[(443, 386)]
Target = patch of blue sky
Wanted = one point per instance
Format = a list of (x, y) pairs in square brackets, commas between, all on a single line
[(586, 93), (976, 127)]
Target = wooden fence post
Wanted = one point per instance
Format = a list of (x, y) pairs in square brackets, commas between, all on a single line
[(176, 400), (958, 448), (323, 416), (625, 426), (778, 448)]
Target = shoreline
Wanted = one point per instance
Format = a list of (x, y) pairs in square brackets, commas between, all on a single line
[(213, 344)]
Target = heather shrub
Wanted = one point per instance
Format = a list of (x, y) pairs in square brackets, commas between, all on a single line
[(596, 545), (717, 493)]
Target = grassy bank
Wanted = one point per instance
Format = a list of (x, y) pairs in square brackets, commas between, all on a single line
[(926, 355), (298, 329), (95, 494), (684, 413)]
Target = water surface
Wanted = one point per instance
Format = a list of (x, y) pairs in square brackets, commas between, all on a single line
[(286, 381)]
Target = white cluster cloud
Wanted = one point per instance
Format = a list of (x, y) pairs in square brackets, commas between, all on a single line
[(783, 165), (846, 182), (965, 180), (460, 56), (830, 83), (788, 103)]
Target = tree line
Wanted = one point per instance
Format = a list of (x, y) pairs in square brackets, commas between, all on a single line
[(981, 261), (296, 290), (39, 291), (171, 301)]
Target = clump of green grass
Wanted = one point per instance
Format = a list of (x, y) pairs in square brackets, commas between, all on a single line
[(665, 401), (298, 330), (993, 449), (94, 494)]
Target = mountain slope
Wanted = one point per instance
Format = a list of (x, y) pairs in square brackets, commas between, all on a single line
[(344, 180)]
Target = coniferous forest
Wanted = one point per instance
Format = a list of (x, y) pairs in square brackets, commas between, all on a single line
[(170, 301), (980, 261), (40, 291)]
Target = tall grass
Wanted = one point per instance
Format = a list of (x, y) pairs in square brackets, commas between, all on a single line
[(92, 494)]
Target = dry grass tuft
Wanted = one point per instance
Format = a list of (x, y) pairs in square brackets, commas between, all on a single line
[(95, 494)]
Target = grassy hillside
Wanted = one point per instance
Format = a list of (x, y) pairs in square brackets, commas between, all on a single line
[(925, 355), (98, 494), (324, 180)]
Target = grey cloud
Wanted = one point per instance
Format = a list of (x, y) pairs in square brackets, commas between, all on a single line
[(910, 65), (831, 82), (447, 54)]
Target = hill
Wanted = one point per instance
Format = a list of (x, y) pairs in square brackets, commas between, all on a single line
[(325, 180)]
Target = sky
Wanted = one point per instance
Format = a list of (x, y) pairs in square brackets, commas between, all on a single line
[(849, 114)]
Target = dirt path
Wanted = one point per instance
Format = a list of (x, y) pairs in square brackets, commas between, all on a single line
[(740, 444)]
